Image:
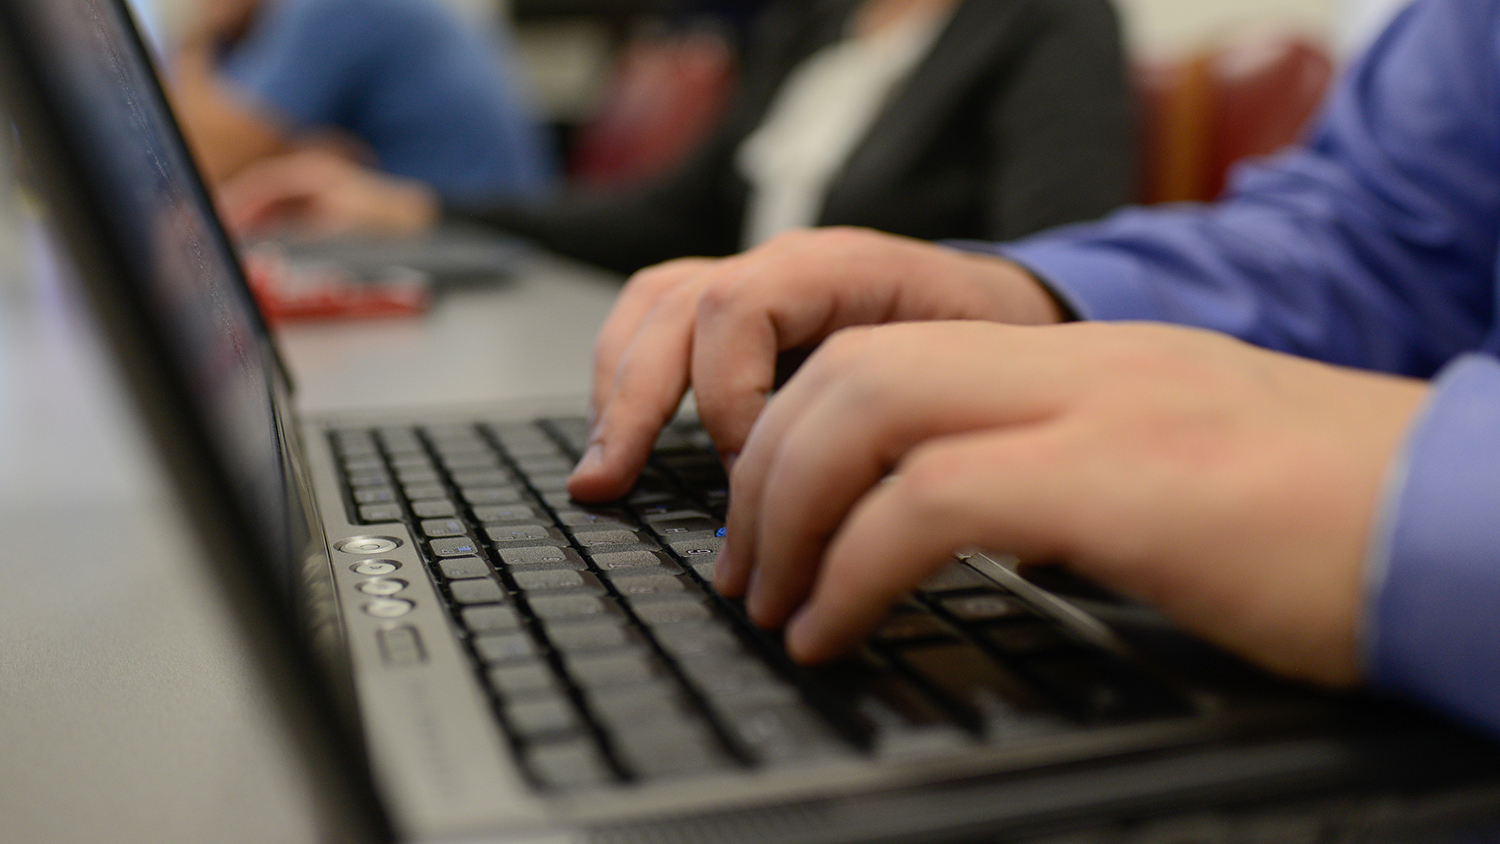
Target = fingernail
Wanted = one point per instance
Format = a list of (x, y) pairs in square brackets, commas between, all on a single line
[(592, 459), (801, 633), (754, 599)]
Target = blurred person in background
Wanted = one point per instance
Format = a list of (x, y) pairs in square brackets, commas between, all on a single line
[(401, 85), (928, 118)]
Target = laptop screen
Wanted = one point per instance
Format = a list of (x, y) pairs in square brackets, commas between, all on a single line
[(162, 228)]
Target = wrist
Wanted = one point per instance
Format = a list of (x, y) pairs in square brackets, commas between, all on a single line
[(1018, 296)]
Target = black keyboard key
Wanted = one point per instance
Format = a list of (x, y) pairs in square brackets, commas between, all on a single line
[(545, 717), (399, 440), (524, 680), (984, 607), (1027, 637), (780, 732), (674, 515), (550, 483), (956, 577), (661, 611), (904, 720), (439, 432), (911, 627), (380, 513), (500, 648), (491, 619), (627, 707), (425, 492), (454, 546), (611, 668), (574, 763), (496, 514), (575, 517), (369, 480), (461, 448), (670, 749), (412, 461), (570, 636), (696, 550), (353, 443), (571, 430), (481, 495), (541, 556), (558, 579), (434, 528), (737, 679), (480, 591), (571, 606), (632, 584), (988, 696), (697, 639), (679, 530), (463, 568), (417, 475), (642, 561), (599, 540), (472, 460), (375, 495), (1095, 687), (482, 478), (522, 535), (661, 505), (558, 500), (434, 508), (533, 465)]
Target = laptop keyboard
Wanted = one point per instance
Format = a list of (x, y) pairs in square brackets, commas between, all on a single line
[(610, 658)]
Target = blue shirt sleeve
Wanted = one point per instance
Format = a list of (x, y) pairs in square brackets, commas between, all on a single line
[(433, 98), (1433, 619), (1374, 246)]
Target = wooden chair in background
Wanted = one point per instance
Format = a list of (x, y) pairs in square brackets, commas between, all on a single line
[(1249, 96), (665, 95)]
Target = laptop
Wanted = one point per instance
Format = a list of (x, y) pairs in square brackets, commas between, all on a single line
[(463, 653)]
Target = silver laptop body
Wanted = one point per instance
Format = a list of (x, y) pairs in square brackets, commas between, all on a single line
[(393, 669)]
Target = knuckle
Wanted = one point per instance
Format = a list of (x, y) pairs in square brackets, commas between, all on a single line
[(720, 295), (925, 480), (857, 359)]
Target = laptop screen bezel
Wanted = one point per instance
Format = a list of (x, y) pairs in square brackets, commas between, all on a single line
[(308, 687)]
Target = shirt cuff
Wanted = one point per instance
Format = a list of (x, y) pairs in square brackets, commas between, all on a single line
[(1432, 630), (1094, 284)]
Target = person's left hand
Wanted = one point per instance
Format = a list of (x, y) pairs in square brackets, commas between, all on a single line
[(1232, 487), (321, 191)]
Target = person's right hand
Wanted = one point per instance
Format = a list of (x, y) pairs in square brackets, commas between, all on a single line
[(318, 192), (718, 326)]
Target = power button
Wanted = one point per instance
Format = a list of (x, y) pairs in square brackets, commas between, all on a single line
[(366, 546)]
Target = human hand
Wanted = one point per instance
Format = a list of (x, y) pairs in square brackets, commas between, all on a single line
[(1231, 487), (318, 192), (719, 325), (201, 23)]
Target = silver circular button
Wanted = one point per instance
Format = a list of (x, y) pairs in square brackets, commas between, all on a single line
[(375, 568), (388, 607), (365, 545), (381, 587)]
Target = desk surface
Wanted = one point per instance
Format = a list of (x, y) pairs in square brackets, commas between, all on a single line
[(128, 712)]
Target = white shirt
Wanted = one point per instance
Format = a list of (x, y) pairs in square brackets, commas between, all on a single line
[(822, 111)]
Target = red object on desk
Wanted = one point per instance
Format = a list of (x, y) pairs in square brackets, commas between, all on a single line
[(287, 290)]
